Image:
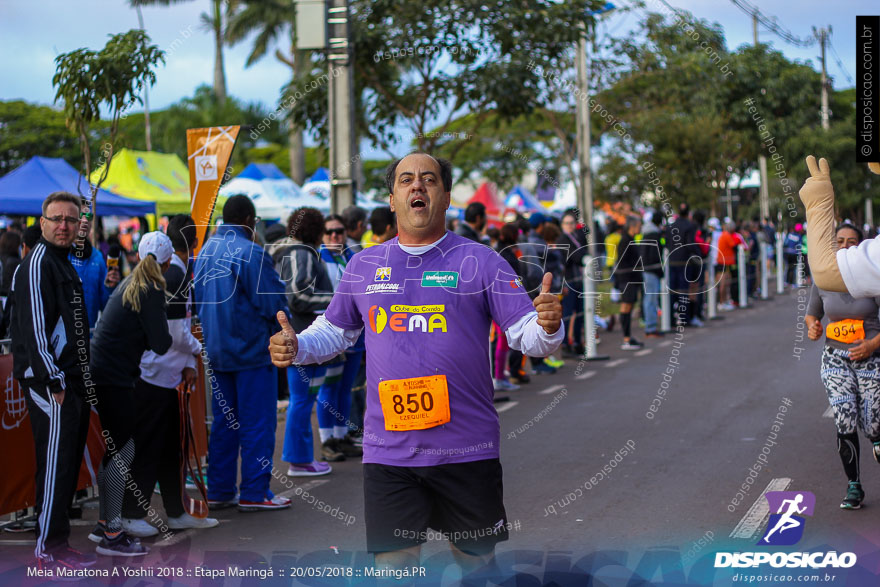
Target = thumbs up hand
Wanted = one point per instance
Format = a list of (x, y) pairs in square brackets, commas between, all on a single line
[(548, 306), (283, 345)]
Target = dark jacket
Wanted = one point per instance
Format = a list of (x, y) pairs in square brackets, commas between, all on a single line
[(576, 245), (49, 327), (123, 335), (508, 253), (628, 258), (681, 242), (650, 249), (466, 231), (306, 284), (10, 264)]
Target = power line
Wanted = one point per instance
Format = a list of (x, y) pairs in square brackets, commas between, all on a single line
[(840, 63), (772, 24)]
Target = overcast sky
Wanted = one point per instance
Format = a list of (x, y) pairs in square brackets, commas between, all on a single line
[(33, 33)]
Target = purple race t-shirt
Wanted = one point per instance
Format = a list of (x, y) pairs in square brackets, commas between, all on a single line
[(426, 315)]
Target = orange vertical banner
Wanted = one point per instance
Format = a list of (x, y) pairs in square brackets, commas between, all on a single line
[(208, 153)]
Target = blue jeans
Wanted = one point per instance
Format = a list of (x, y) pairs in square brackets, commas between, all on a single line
[(334, 399), (651, 300), (244, 405), (299, 446)]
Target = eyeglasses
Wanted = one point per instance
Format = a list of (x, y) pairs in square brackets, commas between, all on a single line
[(336, 231), (60, 219)]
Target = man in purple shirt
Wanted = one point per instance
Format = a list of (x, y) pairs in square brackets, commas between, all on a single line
[(427, 299)]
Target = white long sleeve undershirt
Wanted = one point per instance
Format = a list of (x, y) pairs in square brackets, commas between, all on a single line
[(322, 340)]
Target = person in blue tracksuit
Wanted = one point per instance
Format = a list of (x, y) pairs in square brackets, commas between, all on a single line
[(98, 284), (238, 293)]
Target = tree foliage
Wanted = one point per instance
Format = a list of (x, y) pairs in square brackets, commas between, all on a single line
[(113, 77)]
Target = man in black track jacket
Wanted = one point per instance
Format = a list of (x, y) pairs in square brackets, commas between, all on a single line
[(50, 347)]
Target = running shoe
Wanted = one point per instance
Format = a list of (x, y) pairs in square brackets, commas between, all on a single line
[(543, 369), (631, 345), (357, 439), (347, 447), (854, 497), (97, 535), (222, 504), (274, 503), (330, 451), (654, 334), (75, 557), (139, 528), (504, 385), (186, 521), (121, 545), (696, 322), (313, 469), (520, 377), (877, 451), (554, 362)]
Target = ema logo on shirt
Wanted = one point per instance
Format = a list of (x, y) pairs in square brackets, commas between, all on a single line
[(383, 274), (408, 318)]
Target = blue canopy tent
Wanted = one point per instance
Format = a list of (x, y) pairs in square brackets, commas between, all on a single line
[(322, 174), (23, 190), (261, 171)]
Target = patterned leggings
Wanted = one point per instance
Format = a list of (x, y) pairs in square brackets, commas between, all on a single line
[(853, 391)]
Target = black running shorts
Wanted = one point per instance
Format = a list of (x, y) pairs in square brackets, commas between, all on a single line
[(462, 502)]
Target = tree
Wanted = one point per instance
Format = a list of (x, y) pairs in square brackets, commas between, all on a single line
[(213, 22), (270, 20), (202, 109), (420, 66), (28, 130), (112, 77)]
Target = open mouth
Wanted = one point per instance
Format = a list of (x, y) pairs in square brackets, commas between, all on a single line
[(418, 202)]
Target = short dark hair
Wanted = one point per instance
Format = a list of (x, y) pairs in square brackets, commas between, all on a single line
[(445, 172), (9, 243), (31, 235), (851, 227), (474, 211), (336, 217), (381, 219), (306, 225), (684, 209), (182, 232), (62, 197), (509, 234), (237, 209), (352, 215)]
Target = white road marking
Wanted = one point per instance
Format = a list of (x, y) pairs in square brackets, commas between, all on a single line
[(665, 343), (585, 375), (829, 413), (550, 389), (753, 521), (615, 363), (643, 352), (506, 406)]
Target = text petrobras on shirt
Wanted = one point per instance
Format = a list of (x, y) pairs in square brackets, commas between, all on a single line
[(791, 560)]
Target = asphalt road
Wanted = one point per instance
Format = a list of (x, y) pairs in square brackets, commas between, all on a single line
[(595, 482)]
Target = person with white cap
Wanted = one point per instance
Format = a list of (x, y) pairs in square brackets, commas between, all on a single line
[(157, 413), (133, 321)]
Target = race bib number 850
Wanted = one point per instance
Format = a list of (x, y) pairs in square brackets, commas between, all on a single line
[(414, 404)]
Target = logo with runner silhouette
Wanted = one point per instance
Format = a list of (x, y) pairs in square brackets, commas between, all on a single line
[(786, 526)]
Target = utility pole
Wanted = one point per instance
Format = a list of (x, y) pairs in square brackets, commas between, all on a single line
[(822, 35), (764, 193), (342, 185), (585, 183), (137, 7), (755, 27)]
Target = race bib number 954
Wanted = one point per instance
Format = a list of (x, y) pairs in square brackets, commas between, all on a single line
[(414, 404), (846, 331)]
